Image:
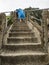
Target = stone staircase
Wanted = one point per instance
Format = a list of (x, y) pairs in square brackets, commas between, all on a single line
[(22, 47)]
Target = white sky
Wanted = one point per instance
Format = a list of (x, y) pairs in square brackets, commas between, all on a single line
[(10, 5)]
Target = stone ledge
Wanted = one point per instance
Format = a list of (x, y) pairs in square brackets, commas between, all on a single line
[(23, 54)]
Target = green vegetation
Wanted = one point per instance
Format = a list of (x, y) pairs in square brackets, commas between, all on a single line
[(9, 20)]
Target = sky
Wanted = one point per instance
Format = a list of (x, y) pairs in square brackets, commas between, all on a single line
[(11, 5)]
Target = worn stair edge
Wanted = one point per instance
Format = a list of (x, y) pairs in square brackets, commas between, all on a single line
[(23, 54), (22, 39), (21, 32), (19, 26), (21, 29), (22, 47), (21, 44), (15, 34)]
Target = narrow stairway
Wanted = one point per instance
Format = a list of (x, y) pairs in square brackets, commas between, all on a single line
[(22, 46)]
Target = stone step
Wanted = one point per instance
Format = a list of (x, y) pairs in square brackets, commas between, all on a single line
[(20, 28), (22, 40), (22, 47), (20, 23), (30, 53), (20, 62), (24, 60), (26, 30), (16, 26), (25, 26), (16, 34)]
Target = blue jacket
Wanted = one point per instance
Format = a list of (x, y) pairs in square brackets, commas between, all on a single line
[(21, 14)]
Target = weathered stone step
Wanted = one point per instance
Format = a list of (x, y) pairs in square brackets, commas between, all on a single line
[(34, 44), (25, 60), (22, 47), (20, 25), (26, 30), (22, 39), (16, 34), (20, 28), (18, 22), (15, 26), (30, 53)]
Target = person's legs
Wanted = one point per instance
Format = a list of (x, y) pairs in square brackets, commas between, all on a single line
[(20, 20)]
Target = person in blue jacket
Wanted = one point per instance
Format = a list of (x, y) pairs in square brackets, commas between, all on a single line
[(21, 14)]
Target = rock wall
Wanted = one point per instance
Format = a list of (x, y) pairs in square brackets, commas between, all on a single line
[(2, 26), (13, 16)]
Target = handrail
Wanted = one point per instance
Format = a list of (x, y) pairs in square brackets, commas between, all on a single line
[(42, 29), (37, 10), (35, 23), (37, 26), (32, 17)]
